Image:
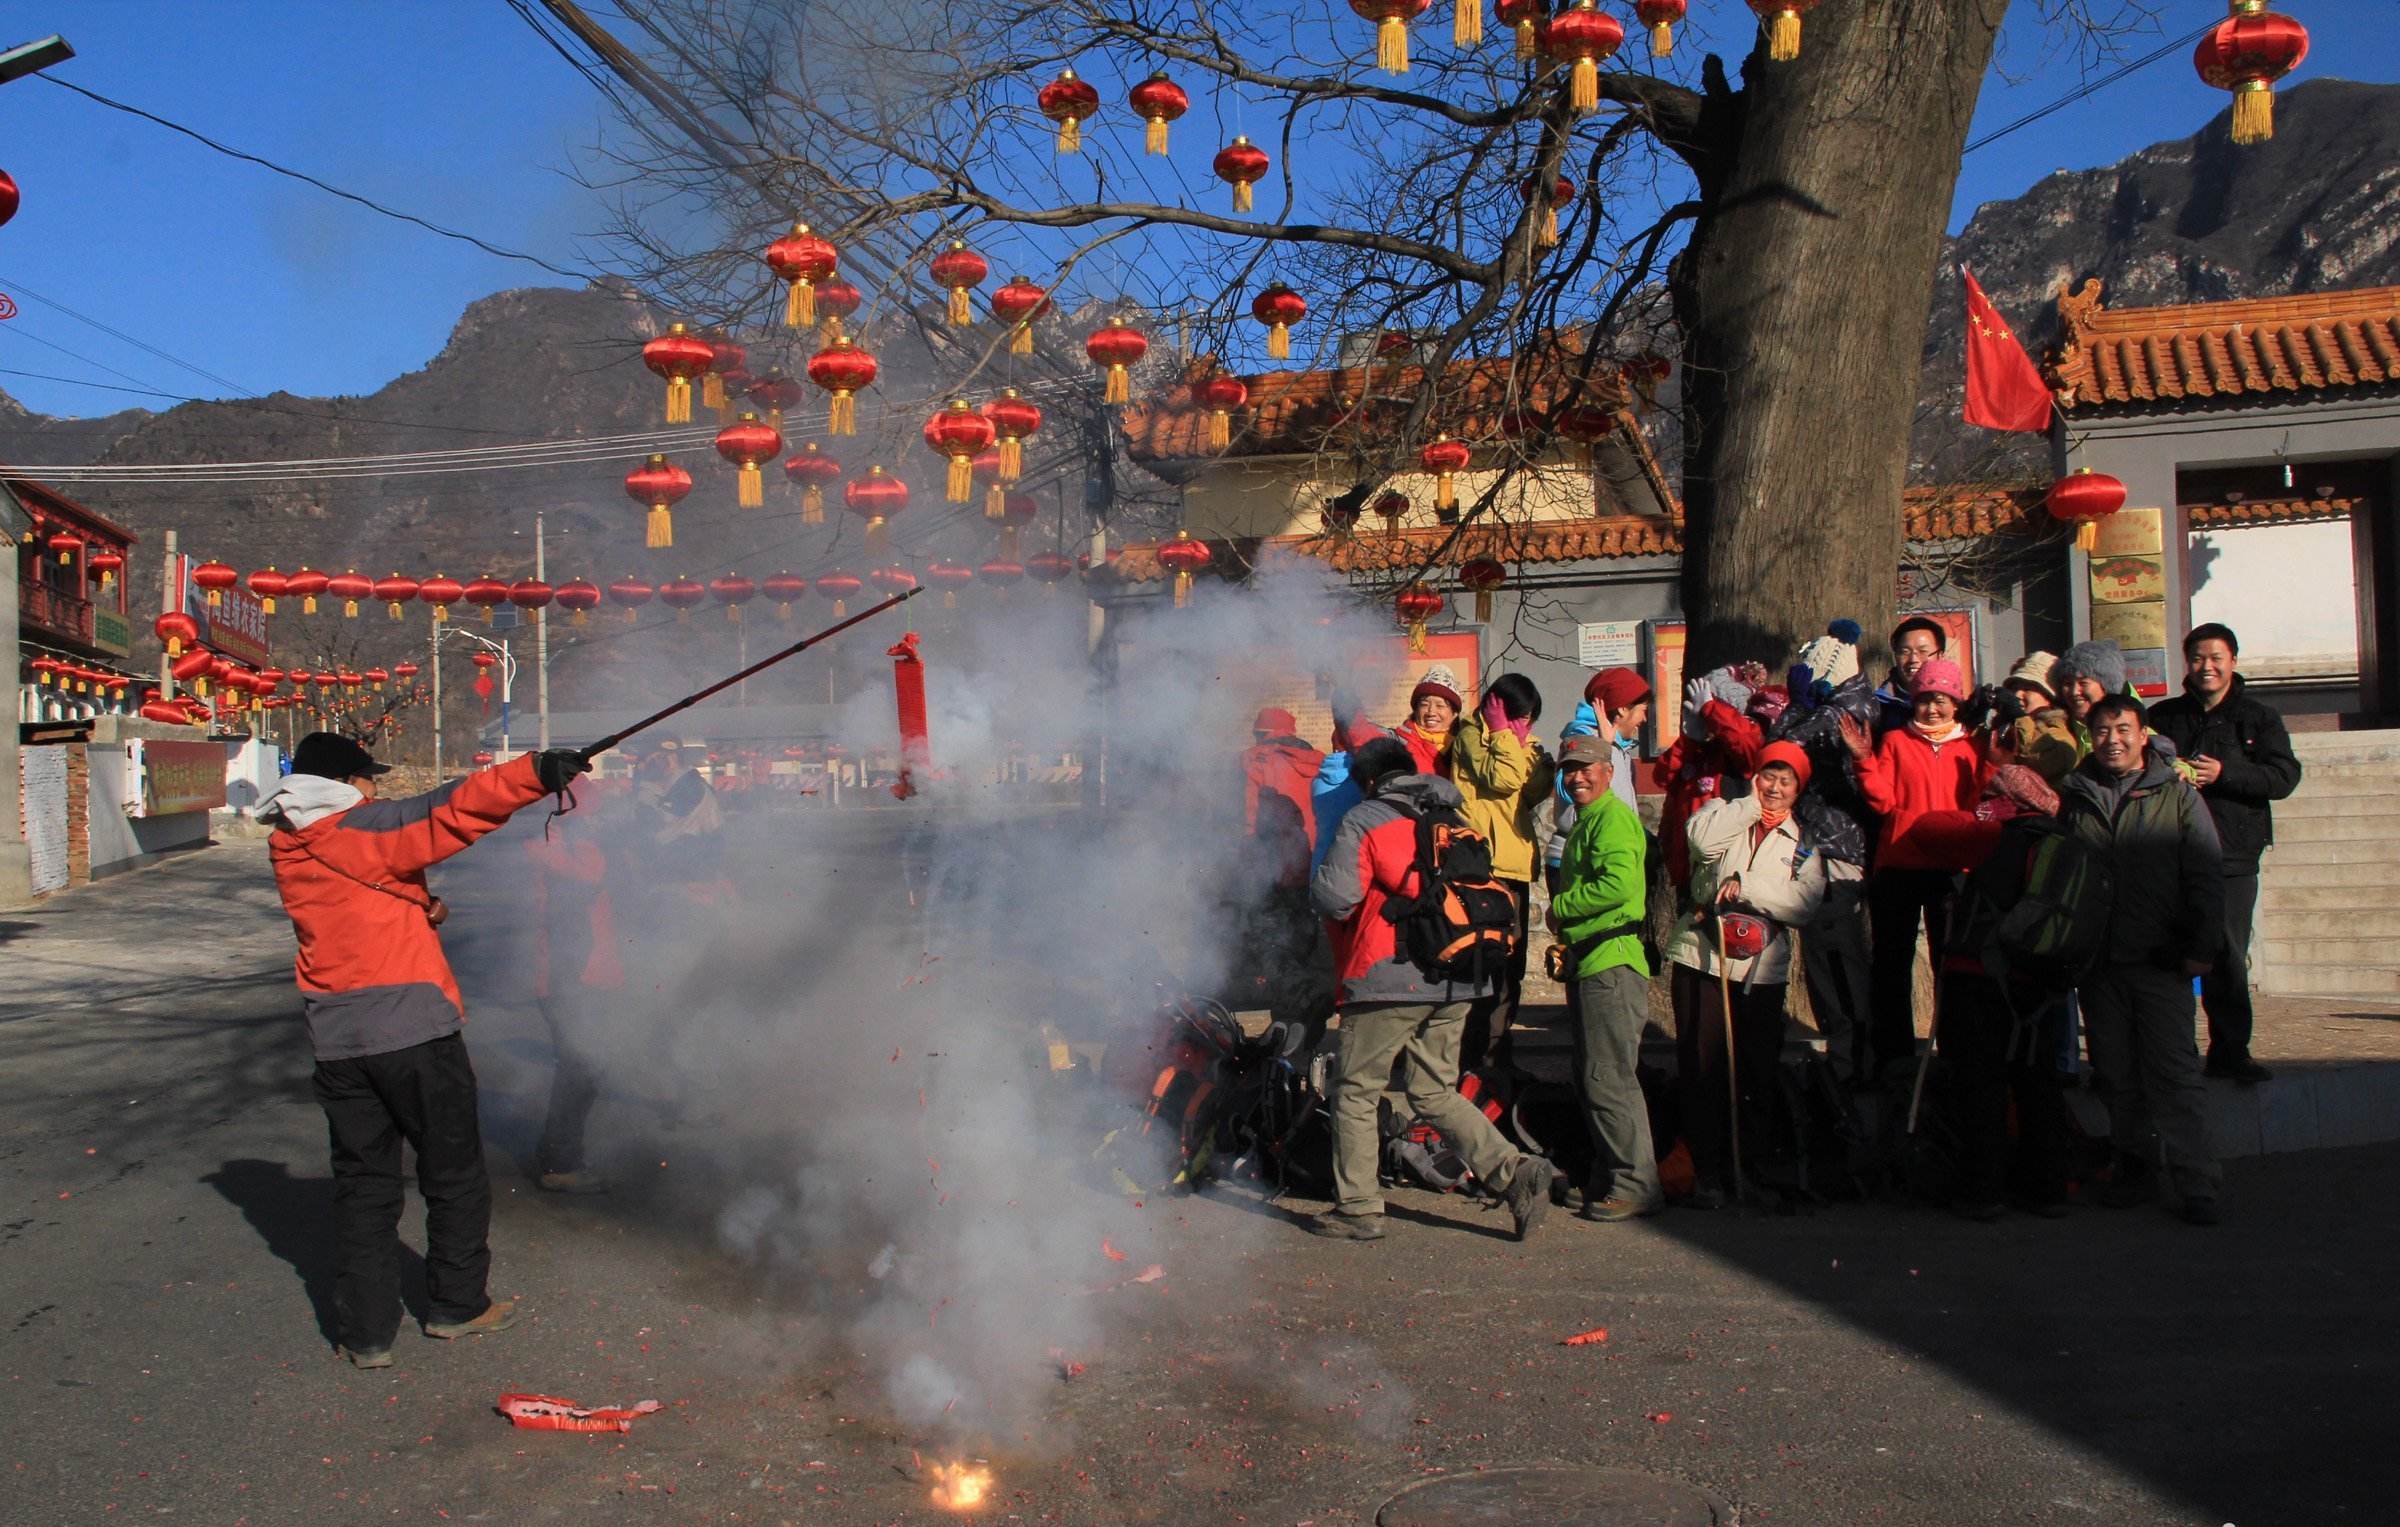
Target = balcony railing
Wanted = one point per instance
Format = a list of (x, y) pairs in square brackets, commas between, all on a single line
[(61, 614)]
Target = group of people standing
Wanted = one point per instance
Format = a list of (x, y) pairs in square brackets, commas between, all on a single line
[(1819, 828)]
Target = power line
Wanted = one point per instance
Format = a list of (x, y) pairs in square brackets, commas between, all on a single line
[(138, 344), (2077, 94)]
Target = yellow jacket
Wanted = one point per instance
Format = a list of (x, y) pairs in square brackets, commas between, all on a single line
[(1504, 781)]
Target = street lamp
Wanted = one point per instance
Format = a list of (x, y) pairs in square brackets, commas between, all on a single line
[(33, 57)]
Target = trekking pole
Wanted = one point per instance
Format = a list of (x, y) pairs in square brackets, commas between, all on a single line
[(1733, 1081), (1933, 1029)]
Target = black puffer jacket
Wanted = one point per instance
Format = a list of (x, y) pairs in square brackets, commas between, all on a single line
[(2247, 737)]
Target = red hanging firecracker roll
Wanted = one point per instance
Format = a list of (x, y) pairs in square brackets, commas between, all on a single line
[(530, 594), (1116, 349), (746, 442), (778, 394), (1445, 458), (1417, 605), (106, 564), (733, 591), (875, 498), (1660, 17), (841, 588), (959, 433), (681, 595), (441, 591), (1015, 420), (1391, 18), (949, 577), (578, 597), (1221, 394), (213, 577), (350, 588), (959, 270), (837, 301), (2083, 498), (630, 594), (1523, 17), (1781, 18), (661, 484), (1019, 304), (1241, 164), (1158, 100), (843, 370), (487, 594), (801, 260), (1184, 556), (1562, 194), (814, 471), (1279, 308), (1584, 38), (2247, 53), (785, 589), (1017, 510), (726, 359), (267, 583), (396, 591), (1070, 103), (1480, 576), (679, 355), (908, 684)]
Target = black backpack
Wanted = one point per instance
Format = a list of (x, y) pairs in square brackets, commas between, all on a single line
[(1461, 926), (2037, 909)]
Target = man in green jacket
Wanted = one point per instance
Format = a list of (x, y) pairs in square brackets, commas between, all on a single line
[(1598, 916)]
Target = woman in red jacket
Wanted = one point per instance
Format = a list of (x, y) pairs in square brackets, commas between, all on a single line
[(1931, 764)]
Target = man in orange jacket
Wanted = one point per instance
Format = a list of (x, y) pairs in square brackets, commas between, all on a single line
[(384, 1014)]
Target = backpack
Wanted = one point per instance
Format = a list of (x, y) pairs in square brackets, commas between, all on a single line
[(1461, 926), (2037, 910)]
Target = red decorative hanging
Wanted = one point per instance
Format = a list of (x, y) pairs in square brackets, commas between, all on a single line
[(1241, 164), (1070, 103), (960, 270), (908, 685), (893, 580), (837, 300), (530, 594), (959, 433), (841, 588), (661, 484), (843, 370), (1444, 458), (1185, 556), (1480, 576), (733, 591), (1660, 17), (1017, 510), (679, 355), (212, 577), (1391, 507), (1583, 39), (875, 498), (404, 672), (1116, 348), (1221, 394), (350, 588), (785, 589), (630, 593), (800, 259), (746, 442), (487, 594), (1049, 569), (106, 564), (377, 678), (1015, 420), (1019, 304), (2247, 53), (1391, 18), (578, 597), (949, 577), (814, 471), (1158, 100), (396, 591), (1279, 308), (1003, 574), (1416, 606), (726, 359), (1562, 194), (305, 585), (681, 595), (267, 583), (1525, 18), (441, 592), (1781, 18), (2083, 498), (777, 393)]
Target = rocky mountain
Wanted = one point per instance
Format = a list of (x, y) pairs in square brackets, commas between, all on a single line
[(2196, 219)]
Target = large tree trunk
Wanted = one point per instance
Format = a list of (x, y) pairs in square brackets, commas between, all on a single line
[(1802, 299)]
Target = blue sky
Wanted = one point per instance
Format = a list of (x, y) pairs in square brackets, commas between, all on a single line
[(456, 111)]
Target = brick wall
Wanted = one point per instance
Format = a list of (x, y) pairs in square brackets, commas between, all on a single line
[(79, 815)]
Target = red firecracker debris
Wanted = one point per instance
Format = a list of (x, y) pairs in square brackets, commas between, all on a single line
[(1110, 1252), (1591, 1338), (548, 1413)]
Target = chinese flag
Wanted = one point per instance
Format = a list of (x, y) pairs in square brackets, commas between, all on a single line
[(2003, 389)]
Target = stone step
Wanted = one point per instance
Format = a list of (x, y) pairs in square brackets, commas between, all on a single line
[(2360, 848), (2284, 871), (2330, 980), (2356, 953), (2315, 901), (2334, 805), (2367, 917)]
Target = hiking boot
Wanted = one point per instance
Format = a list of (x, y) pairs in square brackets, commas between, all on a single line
[(1983, 1211), (1347, 1227), (2201, 1209), (499, 1315), (1528, 1193), (365, 1357), (1610, 1211), (2237, 1068), (2131, 1184), (577, 1182)]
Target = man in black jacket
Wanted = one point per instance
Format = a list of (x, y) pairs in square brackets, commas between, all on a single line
[(2241, 758)]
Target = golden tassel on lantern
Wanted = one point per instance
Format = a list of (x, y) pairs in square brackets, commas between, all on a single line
[(1119, 388), (1445, 491), (659, 529), (1391, 56), (812, 506), (962, 480), (1466, 27), (350, 609), (995, 502), (1070, 136), (1584, 87), (962, 308), (2087, 537), (1662, 39), (1279, 341), (878, 537), (1545, 235), (733, 613), (1528, 41), (1154, 141), (800, 305), (2253, 111), (1483, 607), (679, 400), (577, 618), (1220, 429), (712, 391), (842, 415), (1783, 36), (1008, 544), (1012, 458), (1021, 342), (750, 489), (1241, 196)]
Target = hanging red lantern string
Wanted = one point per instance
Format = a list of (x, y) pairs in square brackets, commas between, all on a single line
[(1158, 100), (1660, 17), (893, 579), (1445, 458), (266, 583), (350, 588), (1279, 308), (1015, 420), (1017, 510), (1221, 394), (1562, 194), (305, 585), (1241, 164), (661, 484), (195, 668), (2083, 498), (1417, 605), (949, 577), (960, 270), (679, 355), (681, 595), (733, 591), (1391, 507), (837, 300), (578, 597), (725, 359), (1524, 17), (959, 433), (841, 588), (777, 393), (213, 577), (396, 591), (441, 591), (843, 370), (530, 594), (66, 543), (1019, 304), (785, 589), (377, 678), (1049, 569), (2247, 53), (746, 442), (487, 594), (1391, 18), (814, 471), (1003, 574), (801, 260), (631, 593), (875, 498), (1070, 103), (1585, 38), (107, 564), (404, 672), (1116, 349), (1480, 576), (1781, 18), (1184, 557)]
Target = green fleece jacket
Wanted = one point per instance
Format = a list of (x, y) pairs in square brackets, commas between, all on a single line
[(1602, 882)]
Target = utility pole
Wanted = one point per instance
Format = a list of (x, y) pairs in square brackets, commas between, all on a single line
[(171, 588), (541, 635), (433, 661)]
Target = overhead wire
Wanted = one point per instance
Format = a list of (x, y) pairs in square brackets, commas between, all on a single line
[(119, 334), (2091, 86)]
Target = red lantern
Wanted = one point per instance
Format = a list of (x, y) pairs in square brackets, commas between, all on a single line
[(1221, 395), (1015, 420), (960, 270), (43, 670), (167, 711), (1480, 576), (841, 588), (8, 196), (1660, 17), (1524, 17), (801, 259), (1016, 511), (350, 588), (814, 471), (632, 593), (1782, 21), (441, 592), (214, 577), (746, 442), (875, 498), (836, 300), (679, 355), (1116, 348), (784, 588), (843, 370), (1184, 556), (1279, 307), (893, 580), (950, 577), (1391, 18), (1391, 508), (404, 672), (1416, 606), (1158, 100), (1019, 304), (1070, 103), (305, 585), (1242, 164), (1049, 568), (530, 594), (777, 393), (1444, 458), (196, 668), (482, 760), (66, 543), (578, 597), (2247, 53), (266, 583), (725, 360), (1562, 193), (487, 594), (376, 678), (661, 484), (2083, 498), (396, 591), (1003, 574), (271, 679), (733, 591), (681, 595), (107, 564), (1585, 38), (959, 433), (1340, 518)]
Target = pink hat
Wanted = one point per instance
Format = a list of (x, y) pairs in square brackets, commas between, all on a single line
[(1940, 676)]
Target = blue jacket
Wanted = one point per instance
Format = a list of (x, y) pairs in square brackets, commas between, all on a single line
[(1586, 723), (1331, 797)]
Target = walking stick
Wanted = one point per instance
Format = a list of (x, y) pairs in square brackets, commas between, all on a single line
[(1933, 1028), (1733, 1081)]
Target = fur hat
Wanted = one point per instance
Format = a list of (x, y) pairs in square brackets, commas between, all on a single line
[(1440, 679), (2100, 661), (1726, 684)]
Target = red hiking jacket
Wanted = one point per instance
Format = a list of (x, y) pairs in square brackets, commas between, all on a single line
[(1694, 770), (1906, 777), (1286, 767)]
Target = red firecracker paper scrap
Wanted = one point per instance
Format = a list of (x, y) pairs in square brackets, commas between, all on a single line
[(1590, 1338), (549, 1413)]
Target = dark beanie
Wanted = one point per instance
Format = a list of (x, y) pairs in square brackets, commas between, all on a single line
[(1379, 757)]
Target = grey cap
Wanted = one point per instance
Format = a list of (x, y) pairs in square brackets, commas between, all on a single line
[(1577, 752)]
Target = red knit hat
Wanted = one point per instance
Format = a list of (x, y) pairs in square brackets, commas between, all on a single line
[(1789, 754), (1615, 689)]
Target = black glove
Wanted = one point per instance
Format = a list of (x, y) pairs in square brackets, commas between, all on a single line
[(557, 768), (1978, 708)]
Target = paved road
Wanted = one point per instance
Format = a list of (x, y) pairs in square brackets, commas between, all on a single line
[(163, 1261)]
